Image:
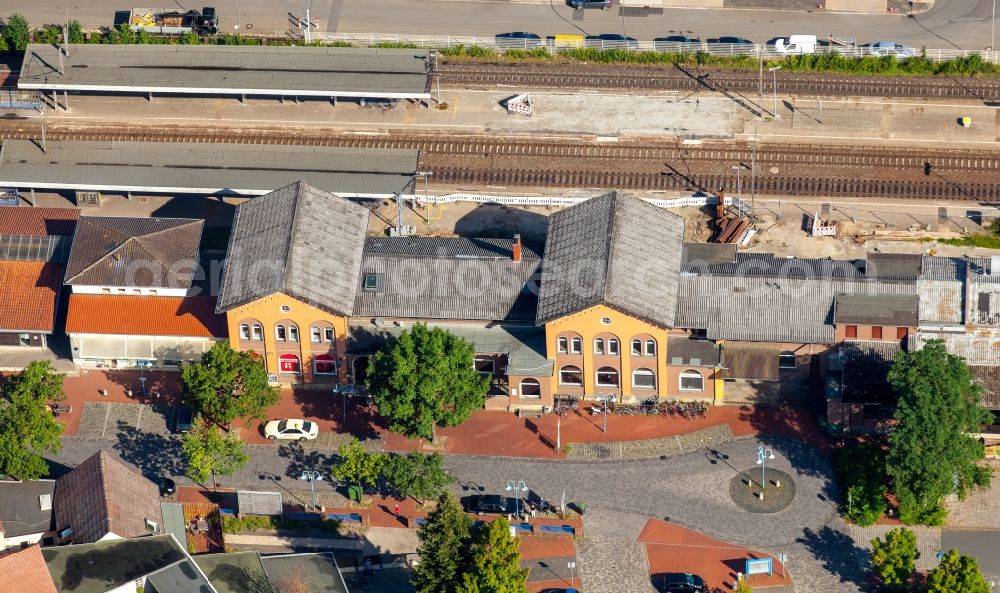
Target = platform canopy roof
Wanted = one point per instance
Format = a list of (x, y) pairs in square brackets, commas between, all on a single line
[(229, 70), (204, 168)]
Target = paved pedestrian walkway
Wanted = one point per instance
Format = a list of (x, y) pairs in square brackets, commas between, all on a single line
[(928, 541), (646, 448), (980, 509)]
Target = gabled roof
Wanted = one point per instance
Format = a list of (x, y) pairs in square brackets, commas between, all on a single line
[(102, 495), (22, 511), (447, 278), (877, 309), (300, 241), (24, 571), (612, 250), (135, 252), (29, 290), (136, 315)]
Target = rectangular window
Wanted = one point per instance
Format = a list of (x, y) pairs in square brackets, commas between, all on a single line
[(851, 331), (692, 381), (636, 347), (562, 345), (152, 292), (370, 283), (106, 290), (877, 332), (293, 333), (650, 348), (599, 346), (258, 333), (570, 376), (900, 333), (577, 345), (244, 332), (328, 332), (613, 347), (484, 366), (279, 333), (314, 333), (786, 360)]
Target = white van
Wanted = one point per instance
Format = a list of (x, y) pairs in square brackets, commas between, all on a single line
[(796, 44)]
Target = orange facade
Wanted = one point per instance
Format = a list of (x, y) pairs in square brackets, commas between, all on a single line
[(300, 343)]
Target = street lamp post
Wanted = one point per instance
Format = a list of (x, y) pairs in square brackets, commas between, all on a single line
[(762, 456), (739, 181), (774, 90), (311, 477), (518, 487)]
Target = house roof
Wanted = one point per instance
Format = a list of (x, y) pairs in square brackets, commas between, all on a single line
[(877, 309), (21, 508), (767, 264), (685, 351), (319, 572), (235, 572), (901, 266), (183, 576), (989, 378), (102, 495), (24, 571), (745, 360), (866, 364), (622, 252), (136, 252), (697, 255), (37, 222), (29, 291), (298, 240), (104, 566), (447, 278), (144, 316)]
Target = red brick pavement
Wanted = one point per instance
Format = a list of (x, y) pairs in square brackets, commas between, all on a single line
[(670, 548)]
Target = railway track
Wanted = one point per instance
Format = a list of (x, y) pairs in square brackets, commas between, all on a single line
[(693, 78), (783, 170)]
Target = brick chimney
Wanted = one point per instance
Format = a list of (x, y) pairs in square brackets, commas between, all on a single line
[(516, 249)]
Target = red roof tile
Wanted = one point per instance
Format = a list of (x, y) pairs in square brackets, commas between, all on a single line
[(28, 291), (25, 571), (144, 316), (37, 222)]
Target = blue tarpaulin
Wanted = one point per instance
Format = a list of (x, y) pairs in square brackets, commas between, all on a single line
[(557, 529)]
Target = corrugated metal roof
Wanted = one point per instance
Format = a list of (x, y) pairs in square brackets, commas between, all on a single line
[(877, 309), (980, 348), (620, 251), (988, 378), (901, 266)]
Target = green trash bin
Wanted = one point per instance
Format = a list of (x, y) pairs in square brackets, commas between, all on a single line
[(354, 493)]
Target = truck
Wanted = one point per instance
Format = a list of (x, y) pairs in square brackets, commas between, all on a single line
[(173, 22)]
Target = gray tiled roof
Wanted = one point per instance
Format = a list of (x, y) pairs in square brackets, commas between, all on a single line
[(300, 241), (697, 255), (104, 566), (20, 508), (768, 265), (877, 309), (901, 266), (136, 252), (866, 364), (682, 350), (765, 309), (447, 278), (619, 251)]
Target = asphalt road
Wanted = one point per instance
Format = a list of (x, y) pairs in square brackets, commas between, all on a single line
[(963, 24), (984, 544)]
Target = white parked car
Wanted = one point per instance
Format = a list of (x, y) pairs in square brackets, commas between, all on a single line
[(291, 429), (796, 44)]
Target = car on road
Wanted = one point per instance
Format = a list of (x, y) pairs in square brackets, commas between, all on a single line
[(677, 39), (889, 48), (492, 504), (184, 419), (581, 4), (731, 40), (518, 39), (795, 44), (681, 582), (291, 429), (611, 40)]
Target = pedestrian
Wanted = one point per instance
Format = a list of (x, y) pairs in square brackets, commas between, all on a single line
[(397, 510), (368, 567)]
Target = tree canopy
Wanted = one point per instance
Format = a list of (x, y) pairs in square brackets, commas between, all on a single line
[(228, 384), (17, 33), (357, 465), (957, 574), (931, 452), (495, 563), (895, 556), (27, 426), (426, 378), (444, 548), (861, 472), (209, 453), (415, 474)]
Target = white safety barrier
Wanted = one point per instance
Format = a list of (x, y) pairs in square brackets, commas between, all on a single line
[(695, 200)]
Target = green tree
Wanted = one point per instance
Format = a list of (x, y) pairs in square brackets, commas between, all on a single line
[(862, 474), (189, 38), (357, 465), (421, 476), (894, 557), (27, 427), (76, 32), (444, 547), (931, 452), (120, 35), (957, 574), (17, 33), (228, 384), (210, 453), (495, 564), (426, 378)]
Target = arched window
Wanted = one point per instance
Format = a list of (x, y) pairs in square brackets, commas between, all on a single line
[(691, 380), (607, 377), (570, 375), (563, 345), (328, 333), (577, 346), (786, 360), (637, 347), (613, 347), (650, 347), (531, 388), (258, 332), (644, 378), (598, 345), (279, 333), (293, 333), (245, 331), (314, 334), (288, 363), (324, 365)]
